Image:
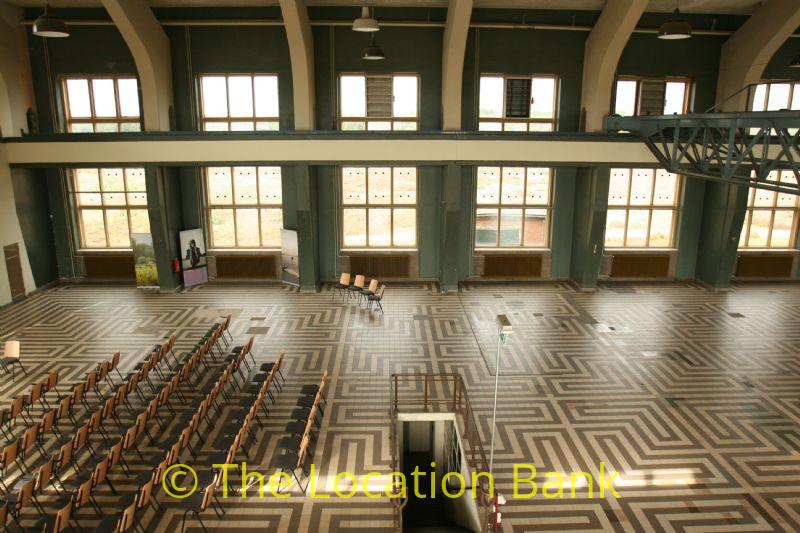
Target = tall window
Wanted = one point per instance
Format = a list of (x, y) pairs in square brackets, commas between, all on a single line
[(636, 96), (518, 103), (775, 96), (244, 207), (379, 207), (101, 104), (379, 102), (513, 207), (110, 203), (642, 208), (239, 102), (771, 219)]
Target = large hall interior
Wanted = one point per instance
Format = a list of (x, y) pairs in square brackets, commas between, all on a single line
[(400, 265)]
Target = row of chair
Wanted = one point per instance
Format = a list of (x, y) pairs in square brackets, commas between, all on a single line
[(369, 295)]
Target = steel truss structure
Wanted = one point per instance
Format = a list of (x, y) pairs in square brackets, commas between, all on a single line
[(741, 148)]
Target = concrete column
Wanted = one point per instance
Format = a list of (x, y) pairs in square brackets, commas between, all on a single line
[(724, 209), (301, 52), (300, 214), (591, 205), (150, 48), (455, 43), (451, 228), (164, 210), (603, 49), (746, 53)]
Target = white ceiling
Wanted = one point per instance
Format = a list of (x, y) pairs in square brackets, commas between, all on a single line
[(743, 7)]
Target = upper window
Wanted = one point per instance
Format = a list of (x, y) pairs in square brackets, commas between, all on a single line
[(635, 96), (244, 207), (518, 103), (101, 104), (110, 203), (239, 102), (771, 219), (775, 96), (642, 208), (379, 207), (513, 207), (379, 102)]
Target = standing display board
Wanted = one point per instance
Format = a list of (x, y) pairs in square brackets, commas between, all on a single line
[(290, 269), (144, 260), (194, 262)]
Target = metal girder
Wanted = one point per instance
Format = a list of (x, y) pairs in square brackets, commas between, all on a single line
[(741, 148)]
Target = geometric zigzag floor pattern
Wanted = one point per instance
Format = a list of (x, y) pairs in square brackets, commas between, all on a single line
[(692, 396)]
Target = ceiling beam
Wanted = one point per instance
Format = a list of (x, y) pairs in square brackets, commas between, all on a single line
[(301, 53), (455, 43), (746, 53), (603, 49), (149, 46)]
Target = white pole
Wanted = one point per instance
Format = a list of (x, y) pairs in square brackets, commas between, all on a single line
[(494, 409)]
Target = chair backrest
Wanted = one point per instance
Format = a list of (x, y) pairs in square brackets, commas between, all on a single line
[(344, 279), (11, 350), (3, 514), (115, 454), (95, 421), (130, 437), (77, 392), (91, 379), (108, 407), (45, 474), (9, 453), (52, 381), (80, 436), (25, 493), (100, 472), (145, 493), (127, 518), (102, 370), (62, 517), (65, 453), (383, 289), (208, 493), (359, 282), (122, 391), (373, 285), (36, 393), (16, 406), (114, 361), (83, 493), (64, 405), (48, 420), (29, 437)]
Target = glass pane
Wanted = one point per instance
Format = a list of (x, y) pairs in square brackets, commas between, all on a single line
[(140, 221), (510, 227), (490, 126), (513, 185), (269, 185), (113, 179), (240, 96), (268, 126), (743, 234), (674, 97), (488, 185), (637, 228), (379, 185), (380, 224), (538, 187), (222, 228), (515, 126), (267, 103), (86, 179), (271, 225), (405, 185), (128, 90), (486, 222), (111, 127), (405, 227), (94, 229), (665, 188), (760, 97), (130, 126), (764, 198), (661, 228), (379, 126), (535, 228), (641, 186), (244, 186), (759, 228), (625, 102), (615, 228), (353, 95), (119, 234), (618, 186), (78, 98), (543, 92), (796, 97), (404, 91), (784, 199), (491, 97), (354, 185), (215, 126), (105, 104), (540, 126), (242, 126), (135, 180), (81, 128), (220, 191), (353, 126), (248, 232), (778, 96), (782, 227), (215, 96), (354, 226), (405, 126), (85, 199)]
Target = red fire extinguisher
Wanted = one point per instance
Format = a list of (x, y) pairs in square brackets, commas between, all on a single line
[(176, 265)]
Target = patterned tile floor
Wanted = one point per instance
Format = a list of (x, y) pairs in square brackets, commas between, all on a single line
[(692, 396)]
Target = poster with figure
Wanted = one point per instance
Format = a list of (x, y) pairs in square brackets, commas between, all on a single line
[(144, 260), (193, 257), (290, 270)]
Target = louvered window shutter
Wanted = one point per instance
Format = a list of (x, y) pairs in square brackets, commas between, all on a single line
[(651, 97), (379, 96), (518, 97)]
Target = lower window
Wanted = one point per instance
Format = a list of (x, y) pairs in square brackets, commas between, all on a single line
[(771, 219)]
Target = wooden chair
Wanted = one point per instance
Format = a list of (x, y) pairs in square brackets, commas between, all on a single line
[(83, 495), (291, 463), (114, 365), (8, 457), (342, 287), (120, 522), (30, 440), (17, 409), (34, 396), (91, 384), (48, 423), (11, 358), (64, 457), (200, 501), (376, 298), (366, 293), (357, 286), (115, 457), (51, 384), (64, 409), (60, 522), (20, 499)]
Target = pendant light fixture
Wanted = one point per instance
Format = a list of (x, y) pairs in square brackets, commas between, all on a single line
[(675, 28), (366, 22), (373, 52), (49, 26)]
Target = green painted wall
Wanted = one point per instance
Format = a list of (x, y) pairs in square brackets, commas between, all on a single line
[(33, 211)]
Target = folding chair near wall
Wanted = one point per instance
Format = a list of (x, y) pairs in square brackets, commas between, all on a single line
[(376, 299), (11, 359), (343, 287)]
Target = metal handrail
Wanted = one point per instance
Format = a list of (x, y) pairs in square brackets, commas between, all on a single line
[(458, 403)]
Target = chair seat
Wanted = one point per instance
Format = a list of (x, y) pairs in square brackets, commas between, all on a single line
[(309, 389), (367, 292), (8, 360), (374, 298), (355, 289), (342, 286), (266, 367), (285, 461), (295, 428), (290, 443), (305, 401)]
